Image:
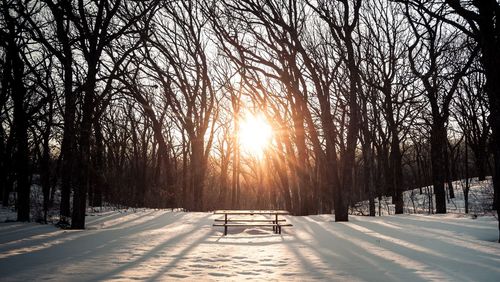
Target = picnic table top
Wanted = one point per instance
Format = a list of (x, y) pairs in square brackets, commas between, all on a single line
[(251, 212)]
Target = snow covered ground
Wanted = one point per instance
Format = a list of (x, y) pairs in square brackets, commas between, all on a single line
[(163, 245)]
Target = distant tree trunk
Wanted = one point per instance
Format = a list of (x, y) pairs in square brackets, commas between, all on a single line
[(165, 166), (368, 176), (198, 172), (223, 182), (397, 171), (300, 165), (224, 168), (481, 161), (447, 168), (395, 157), (45, 174), (280, 164), (466, 189), (367, 151), (292, 168), (98, 165), (235, 191), (185, 177)]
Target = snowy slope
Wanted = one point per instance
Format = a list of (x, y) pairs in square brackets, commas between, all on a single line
[(162, 245), (422, 200)]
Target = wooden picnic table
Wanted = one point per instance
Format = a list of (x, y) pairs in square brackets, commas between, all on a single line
[(276, 223)]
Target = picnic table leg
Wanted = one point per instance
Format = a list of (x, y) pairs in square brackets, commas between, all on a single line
[(225, 224), (276, 222)]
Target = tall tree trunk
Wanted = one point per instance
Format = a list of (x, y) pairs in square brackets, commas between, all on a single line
[(438, 145), (3, 165), (5, 155), (68, 146), (493, 85), (20, 122), (83, 156), (348, 157)]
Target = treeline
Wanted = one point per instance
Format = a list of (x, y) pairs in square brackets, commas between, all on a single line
[(139, 102)]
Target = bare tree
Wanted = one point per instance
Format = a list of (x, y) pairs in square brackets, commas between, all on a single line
[(477, 20), (436, 59), (176, 54), (342, 21), (386, 69), (472, 116)]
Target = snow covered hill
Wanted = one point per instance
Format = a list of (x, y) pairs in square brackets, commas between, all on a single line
[(422, 200), (163, 245)]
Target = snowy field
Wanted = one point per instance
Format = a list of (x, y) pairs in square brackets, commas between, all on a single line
[(162, 245)]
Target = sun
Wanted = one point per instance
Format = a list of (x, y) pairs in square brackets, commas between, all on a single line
[(255, 134)]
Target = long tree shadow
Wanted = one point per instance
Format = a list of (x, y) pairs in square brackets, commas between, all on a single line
[(436, 253), (443, 236), (26, 229), (210, 246), (55, 236), (342, 249), (158, 249), (182, 254), (96, 218), (428, 222), (71, 245), (42, 234)]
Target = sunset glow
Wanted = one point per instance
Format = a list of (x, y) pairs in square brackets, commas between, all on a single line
[(255, 134)]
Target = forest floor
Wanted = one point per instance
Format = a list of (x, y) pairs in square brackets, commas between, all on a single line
[(164, 245)]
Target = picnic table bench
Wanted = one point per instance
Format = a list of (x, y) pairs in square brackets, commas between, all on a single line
[(231, 219)]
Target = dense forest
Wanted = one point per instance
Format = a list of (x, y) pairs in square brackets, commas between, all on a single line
[(146, 103)]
